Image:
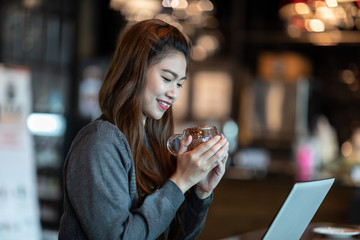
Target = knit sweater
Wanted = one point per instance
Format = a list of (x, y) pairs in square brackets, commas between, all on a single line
[(100, 196)]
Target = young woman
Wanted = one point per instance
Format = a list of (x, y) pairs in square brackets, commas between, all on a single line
[(120, 182)]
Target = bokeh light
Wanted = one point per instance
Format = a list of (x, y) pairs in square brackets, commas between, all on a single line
[(321, 22), (346, 149), (192, 17)]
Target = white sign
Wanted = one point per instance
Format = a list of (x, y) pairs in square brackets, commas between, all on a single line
[(19, 209)]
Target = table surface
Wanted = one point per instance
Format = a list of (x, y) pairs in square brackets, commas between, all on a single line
[(308, 234)]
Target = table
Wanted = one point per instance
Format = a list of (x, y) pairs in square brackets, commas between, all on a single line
[(308, 234)]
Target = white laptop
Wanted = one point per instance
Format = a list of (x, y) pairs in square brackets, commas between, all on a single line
[(298, 209)]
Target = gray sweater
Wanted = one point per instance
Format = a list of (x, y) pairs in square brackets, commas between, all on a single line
[(100, 197)]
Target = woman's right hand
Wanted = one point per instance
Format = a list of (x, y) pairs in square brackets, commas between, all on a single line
[(194, 165)]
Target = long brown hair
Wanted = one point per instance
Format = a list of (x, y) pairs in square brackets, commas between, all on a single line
[(121, 94)]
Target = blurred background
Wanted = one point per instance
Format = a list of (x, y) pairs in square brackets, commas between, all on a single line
[(279, 78)]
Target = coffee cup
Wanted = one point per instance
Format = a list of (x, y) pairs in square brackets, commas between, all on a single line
[(199, 135)]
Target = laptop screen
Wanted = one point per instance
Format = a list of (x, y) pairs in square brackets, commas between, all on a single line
[(298, 209)]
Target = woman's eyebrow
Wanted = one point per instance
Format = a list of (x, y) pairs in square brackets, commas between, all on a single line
[(173, 73)]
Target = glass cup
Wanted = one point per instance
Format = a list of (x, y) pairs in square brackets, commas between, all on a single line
[(199, 135)]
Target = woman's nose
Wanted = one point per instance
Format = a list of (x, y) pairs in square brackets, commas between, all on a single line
[(173, 92)]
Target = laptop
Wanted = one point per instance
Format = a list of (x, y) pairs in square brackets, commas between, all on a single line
[(298, 209)]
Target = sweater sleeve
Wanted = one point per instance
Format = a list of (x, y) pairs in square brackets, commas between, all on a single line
[(100, 184), (195, 215)]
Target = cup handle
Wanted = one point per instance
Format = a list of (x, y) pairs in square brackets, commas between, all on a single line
[(170, 143)]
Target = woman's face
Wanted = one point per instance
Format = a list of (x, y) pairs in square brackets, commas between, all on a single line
[(163, 82)]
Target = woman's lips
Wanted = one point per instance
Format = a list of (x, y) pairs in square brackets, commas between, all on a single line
[(164, 105)]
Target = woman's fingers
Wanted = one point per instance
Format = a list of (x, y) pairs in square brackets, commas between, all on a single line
[(184, 144), (224, 160), (220, 157), (217, 150), (208, 154), (206, 146)]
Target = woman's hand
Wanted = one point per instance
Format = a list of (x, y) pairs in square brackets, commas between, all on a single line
[(204, 165), (205, 187)]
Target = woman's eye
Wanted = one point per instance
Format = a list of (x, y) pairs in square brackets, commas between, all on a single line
[(166, 79), (180, 85)]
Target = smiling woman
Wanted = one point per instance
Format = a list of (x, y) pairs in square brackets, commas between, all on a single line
[(120, 182), (163, 82)]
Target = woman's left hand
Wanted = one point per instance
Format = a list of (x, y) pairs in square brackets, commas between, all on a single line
[(205, 187)]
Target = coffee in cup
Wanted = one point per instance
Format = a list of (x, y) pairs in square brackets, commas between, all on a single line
[(199, 135)]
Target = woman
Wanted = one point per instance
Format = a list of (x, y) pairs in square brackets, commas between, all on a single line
[(120, 182)]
